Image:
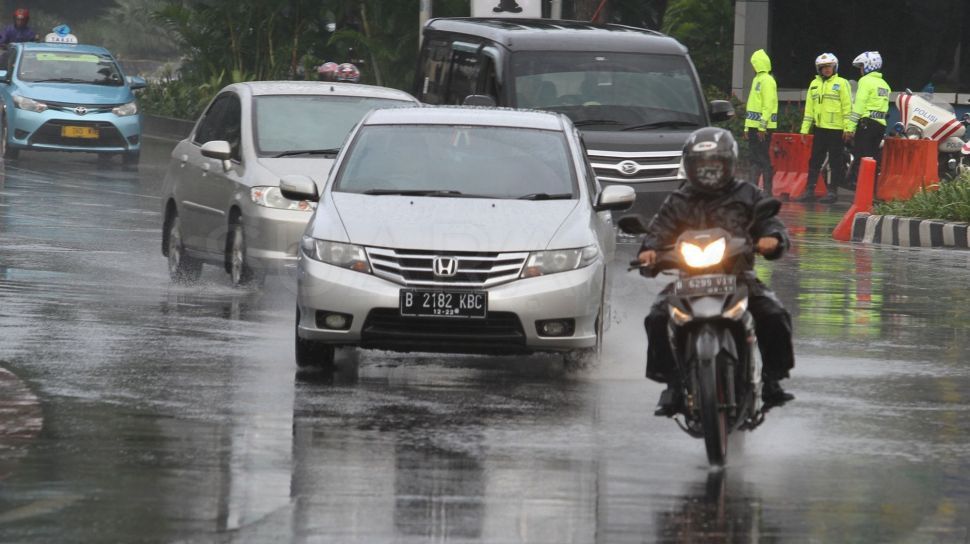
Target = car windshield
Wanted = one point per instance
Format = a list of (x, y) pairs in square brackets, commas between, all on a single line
[(460, 161), (610, 91), (69, 67), (297, 124)]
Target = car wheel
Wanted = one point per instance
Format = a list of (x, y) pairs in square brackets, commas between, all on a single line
[(7, 151), (240, 273), (181, 267), (131, 160), (310, 353), (579, 359)]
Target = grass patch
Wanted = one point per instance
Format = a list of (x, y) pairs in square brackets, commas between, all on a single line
[(948, 200)]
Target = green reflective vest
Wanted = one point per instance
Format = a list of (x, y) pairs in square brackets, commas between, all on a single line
[(871, 100), (828, 104), (762, 108)]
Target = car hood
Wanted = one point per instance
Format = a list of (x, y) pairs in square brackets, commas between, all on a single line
[(76, 93), (450, 224), (316, 168)]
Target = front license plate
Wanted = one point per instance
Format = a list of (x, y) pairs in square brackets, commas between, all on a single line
[(79, 132), (435, 303), (706, 285)]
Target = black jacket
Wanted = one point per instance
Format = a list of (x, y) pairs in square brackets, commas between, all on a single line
[(731, 210)]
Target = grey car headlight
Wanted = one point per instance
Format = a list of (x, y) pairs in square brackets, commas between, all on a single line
[(125, 110), (541, 263), (29, 104), (271, 197), (348, 256)]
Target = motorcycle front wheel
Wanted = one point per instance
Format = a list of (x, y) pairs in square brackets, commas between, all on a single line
[(713, 414)]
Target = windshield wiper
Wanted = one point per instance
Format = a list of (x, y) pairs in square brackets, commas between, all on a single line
[(546, 196), (414, 192), (585, 122), (332, 151), (662, 124), (62, 80)]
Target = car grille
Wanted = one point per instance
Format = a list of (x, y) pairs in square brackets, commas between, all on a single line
[(474, 270), (85, 108), (635, 167), (500, 332), (50, 134)]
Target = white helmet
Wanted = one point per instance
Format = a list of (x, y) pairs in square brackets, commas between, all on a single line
[(870, 61), (826, 58)]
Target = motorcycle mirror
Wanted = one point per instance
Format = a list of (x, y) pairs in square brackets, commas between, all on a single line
[(632, 224), (899, 127), (966, 118), (908, 91), (766, 207), (951, 165)]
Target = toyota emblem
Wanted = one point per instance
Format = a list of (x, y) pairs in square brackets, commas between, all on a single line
[(629, 167), (80, 110)]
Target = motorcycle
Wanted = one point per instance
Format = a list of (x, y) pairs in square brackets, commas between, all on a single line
[(712, 334), (923, 119)]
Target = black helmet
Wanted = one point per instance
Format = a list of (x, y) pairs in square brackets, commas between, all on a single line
[(710, 155)]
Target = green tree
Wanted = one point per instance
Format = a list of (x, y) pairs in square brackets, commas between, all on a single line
[(706, 27)]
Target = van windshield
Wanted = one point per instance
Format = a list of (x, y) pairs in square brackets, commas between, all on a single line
[(609, 91), (458, 161)]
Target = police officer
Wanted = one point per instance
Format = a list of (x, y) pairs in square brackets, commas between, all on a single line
[(827, 110), (868, 118), (762, 117)]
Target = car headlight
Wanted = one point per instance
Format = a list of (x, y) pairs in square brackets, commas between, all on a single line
[(541, 263), (271, 197), (28, 104), (125, 110), (697, 257), (339, 254)]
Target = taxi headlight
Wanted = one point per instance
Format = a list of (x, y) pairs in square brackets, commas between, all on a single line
[(125, 110), (336, 253), (697, 257), (541, 263), (28, 104), (271, 197)]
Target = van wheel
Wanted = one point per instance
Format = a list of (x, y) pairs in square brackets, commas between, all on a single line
[(310, 353), (181, 267)]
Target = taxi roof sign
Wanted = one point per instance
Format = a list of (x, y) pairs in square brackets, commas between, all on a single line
[(57, 38)]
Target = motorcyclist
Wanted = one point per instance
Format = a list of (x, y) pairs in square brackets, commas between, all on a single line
[(712, 197), (19, 31), (347, 72)]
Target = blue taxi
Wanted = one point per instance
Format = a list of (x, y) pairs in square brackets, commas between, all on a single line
[(67, 97)]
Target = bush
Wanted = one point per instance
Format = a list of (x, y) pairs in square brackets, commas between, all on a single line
[(175, 98), (949, 201)]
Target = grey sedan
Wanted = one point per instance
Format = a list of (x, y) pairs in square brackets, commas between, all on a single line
[(222, 202)]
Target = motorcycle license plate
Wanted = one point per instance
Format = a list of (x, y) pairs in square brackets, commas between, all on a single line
[(706, 285), (79, 132), (437, 303)]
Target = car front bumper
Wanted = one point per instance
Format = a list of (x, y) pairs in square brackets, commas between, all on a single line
[(510, 327), (43, 131)]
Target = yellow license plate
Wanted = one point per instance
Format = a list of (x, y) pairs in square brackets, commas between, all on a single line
[(79, 132)]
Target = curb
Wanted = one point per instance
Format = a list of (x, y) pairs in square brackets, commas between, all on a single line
[(909, 232)]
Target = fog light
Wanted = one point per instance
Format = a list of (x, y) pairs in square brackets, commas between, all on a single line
[(20, 134), (333, 320), (556, 327)]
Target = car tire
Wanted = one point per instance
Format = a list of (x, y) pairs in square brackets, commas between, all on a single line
[(579, 359), (181, 267), (131, 160), (240, 272), (310, 353), (5, 149)]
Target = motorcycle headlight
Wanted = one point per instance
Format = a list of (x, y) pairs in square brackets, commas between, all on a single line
[(697, 257), (348, 256), (271, 197), (125, 110), (541, 263), (28, 104)]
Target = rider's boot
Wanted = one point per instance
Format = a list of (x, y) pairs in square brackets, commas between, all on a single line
[(773, 395), (670, 401)]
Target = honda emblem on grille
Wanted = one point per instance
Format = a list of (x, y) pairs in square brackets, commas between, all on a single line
[(80, 110), (445, 267), (629, 167)]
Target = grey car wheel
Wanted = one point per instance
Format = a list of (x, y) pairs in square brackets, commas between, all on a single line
[(579, 359), (181, 267), (312, 354), (240, 273)]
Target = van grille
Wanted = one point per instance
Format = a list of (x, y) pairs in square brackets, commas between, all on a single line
[(635, 167), (473, 270)]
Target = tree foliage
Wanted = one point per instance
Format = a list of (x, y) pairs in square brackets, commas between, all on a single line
[(706, 27)]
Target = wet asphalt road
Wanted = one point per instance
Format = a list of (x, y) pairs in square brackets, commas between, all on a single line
[(135, 411)]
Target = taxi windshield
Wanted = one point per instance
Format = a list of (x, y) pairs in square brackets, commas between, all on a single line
[(69, 67)]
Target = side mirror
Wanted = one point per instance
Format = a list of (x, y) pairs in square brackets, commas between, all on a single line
[(898, 128), (482, 100), (615, 197), (136, 82), (766, 208), (632, 224), (298, 187), (217, 149), (721, 110)]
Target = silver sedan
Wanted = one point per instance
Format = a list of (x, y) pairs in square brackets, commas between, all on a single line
[(222, 202)]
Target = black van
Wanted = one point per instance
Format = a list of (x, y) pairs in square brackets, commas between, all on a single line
[(633, 93)]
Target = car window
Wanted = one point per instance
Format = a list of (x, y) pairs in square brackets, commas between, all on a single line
[(222, 121), (435, 67), (69, 67), (493, 162), (464, 73), (291, 123), (231, 125)]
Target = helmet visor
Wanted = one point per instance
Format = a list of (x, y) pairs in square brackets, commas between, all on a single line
[(709, 173)]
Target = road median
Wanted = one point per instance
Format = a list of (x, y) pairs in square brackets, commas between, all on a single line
[(909, 231)]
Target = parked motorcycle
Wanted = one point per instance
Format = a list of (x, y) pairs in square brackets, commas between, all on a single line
[(923, 119), (712, 334)]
